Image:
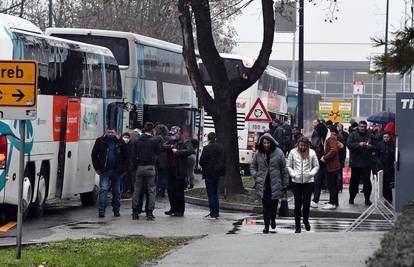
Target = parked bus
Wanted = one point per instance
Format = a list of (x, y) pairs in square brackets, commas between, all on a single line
[(78, 86), (311, 99), (154, 76), (272, 90)]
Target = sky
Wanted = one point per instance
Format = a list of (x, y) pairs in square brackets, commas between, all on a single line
[(346, 39)]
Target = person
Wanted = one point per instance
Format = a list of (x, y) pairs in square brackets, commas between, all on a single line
[(146, 153), (302, 165), (108, 160), (268, 168), (331, 158), (385, 157), (296, 135), (178, 149), (342, 137), (318, 145), (128, 178), (191, 165), (361, 149), (212, 162), (278, 133), (161, 132)]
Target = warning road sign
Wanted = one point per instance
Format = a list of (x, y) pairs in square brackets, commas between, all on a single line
[(18, 90), (258, 112)]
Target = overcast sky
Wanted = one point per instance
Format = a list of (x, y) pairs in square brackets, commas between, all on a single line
[(348, 38)]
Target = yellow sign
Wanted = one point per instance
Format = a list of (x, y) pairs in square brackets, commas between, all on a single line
[(336, 111), (18, 84)]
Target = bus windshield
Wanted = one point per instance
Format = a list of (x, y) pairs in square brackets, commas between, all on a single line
[(118, 46)]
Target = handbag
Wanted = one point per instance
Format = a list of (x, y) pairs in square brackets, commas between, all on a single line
[(284, 207)]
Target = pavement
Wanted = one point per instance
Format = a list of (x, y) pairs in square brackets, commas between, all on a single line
[(234, 239)]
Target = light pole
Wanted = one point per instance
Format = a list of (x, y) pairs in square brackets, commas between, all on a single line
[(384, 84), (50, 13), (300, 69)]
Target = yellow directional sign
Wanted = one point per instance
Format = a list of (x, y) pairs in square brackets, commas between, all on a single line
[(18, 84), (336, 111)]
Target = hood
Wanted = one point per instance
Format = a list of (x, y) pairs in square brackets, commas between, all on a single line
[(269, 137)]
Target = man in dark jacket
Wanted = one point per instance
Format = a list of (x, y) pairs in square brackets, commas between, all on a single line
[(108, 160), (278, 133), (146, 152), (361, 147), (385, 157), (213, 163), (178, 150)]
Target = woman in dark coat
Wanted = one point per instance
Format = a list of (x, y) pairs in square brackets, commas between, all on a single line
[(268, 168), (385, 157)]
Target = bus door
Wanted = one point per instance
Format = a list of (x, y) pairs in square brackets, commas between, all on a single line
[(115, 116), (68, 148)]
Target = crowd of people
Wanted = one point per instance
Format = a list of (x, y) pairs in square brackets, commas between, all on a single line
[(148, 163), (317, 163)]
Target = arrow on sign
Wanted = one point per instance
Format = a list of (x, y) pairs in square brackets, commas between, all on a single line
[(20, 95)]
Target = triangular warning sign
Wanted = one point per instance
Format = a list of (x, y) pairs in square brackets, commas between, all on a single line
[(258, 112)]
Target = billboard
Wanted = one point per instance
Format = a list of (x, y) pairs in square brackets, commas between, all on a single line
[(335, 110)]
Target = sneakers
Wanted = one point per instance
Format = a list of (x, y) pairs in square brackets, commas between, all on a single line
[(150, 216), (314, 205), (329, 207), (213, 217)]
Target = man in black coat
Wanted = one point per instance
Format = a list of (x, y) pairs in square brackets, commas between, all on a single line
[(178, 149), (109, 159), (385, 157), (213, 163), (361, 147)]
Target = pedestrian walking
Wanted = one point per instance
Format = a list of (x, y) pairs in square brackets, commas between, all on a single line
[(191, 164), (178, 149), (331, 158), (361, 147), (342, 137), (268, 168), (302, 166), (319, 137), (385, 158), (127, 180), (278, 133), (146, 152), (212, 162), (108, 160)]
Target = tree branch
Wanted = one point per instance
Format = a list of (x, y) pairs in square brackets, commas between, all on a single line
[(190, 57)]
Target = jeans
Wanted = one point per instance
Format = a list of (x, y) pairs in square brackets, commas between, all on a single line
[(333, 188), (145, 177), (213, 201), (104, 179), (302, 194), (365, 175), (191, 162)]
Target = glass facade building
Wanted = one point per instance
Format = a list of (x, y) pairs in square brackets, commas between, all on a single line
[(335, 80)]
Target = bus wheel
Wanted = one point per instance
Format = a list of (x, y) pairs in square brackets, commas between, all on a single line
[(27, 195), (90, 198), (37, 207)]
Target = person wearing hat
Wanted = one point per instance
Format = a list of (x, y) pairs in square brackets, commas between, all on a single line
[(178, 149)]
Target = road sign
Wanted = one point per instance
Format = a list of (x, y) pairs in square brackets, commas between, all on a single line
[(336, 111), (258, 112), (18, 90), (359, 88)]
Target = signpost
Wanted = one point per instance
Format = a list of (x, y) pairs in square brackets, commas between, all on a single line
[(258, 117), (336, 111), (18, 101), (359, 89)]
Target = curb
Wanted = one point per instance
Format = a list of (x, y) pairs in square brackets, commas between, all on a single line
[(318, 213)]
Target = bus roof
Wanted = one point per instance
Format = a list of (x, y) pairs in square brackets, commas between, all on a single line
[(137, 38), (17, 23), (293, 88)]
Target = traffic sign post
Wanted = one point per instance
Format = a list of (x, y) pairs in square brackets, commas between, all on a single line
[(18, 101), (336, 111), (258, 117)]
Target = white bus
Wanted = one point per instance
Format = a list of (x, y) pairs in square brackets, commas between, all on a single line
[(272, 90), (153, 73), (78, 84)]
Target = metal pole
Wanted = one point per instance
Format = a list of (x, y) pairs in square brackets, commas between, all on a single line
[(50, 13), (20, 190), (293, 73), (300, 73), (358, 105), (384, 87)]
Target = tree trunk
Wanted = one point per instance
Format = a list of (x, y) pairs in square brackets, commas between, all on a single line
[(226, 129)]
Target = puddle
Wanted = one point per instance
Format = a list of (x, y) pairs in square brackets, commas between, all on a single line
[(86, 225)]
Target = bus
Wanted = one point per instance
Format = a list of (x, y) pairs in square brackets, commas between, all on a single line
[(154, 76), (271, 88), (78, 86), (311, 99)]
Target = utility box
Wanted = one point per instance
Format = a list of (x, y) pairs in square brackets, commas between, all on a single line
[(404, 167)]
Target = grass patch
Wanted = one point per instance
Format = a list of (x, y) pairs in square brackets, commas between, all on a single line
[(122, 251)]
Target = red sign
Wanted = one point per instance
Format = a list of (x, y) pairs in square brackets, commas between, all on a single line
[(258, 112)]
